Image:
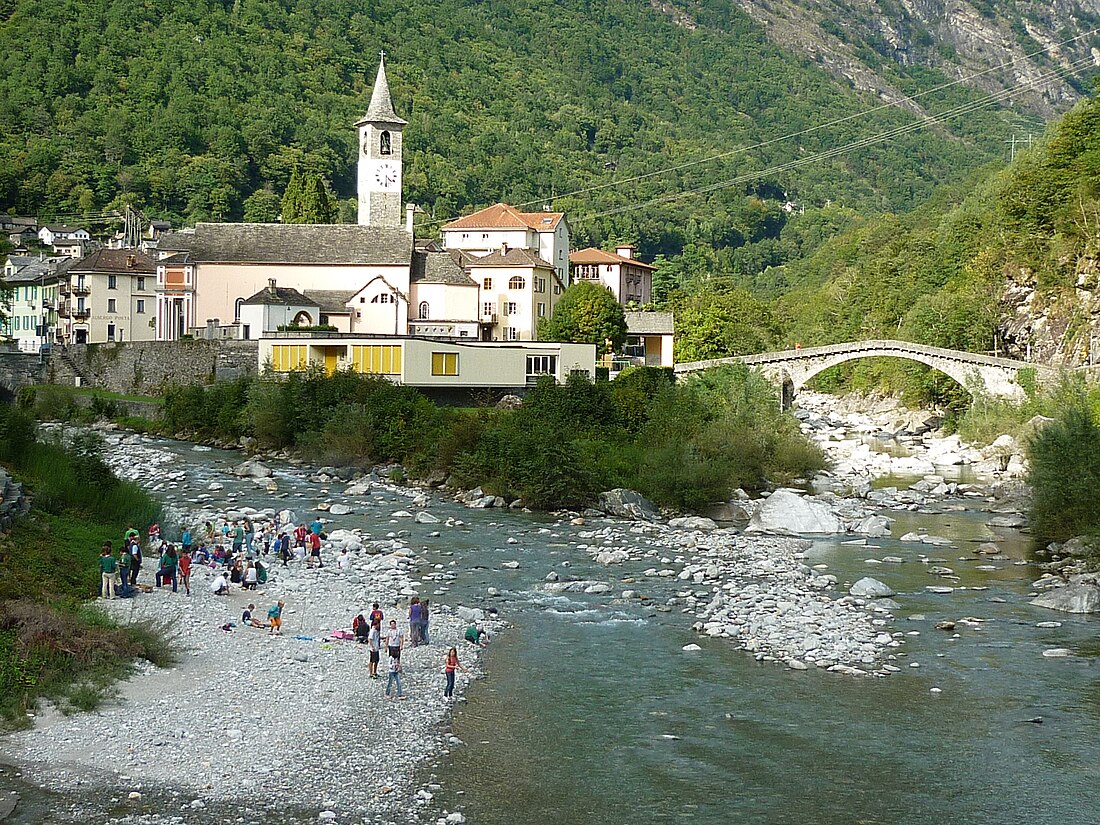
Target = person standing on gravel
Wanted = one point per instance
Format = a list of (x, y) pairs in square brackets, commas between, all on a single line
[(185, 569), (238, 538), (275, 618), (249, 535), (135, 559), (167, 568), (395, 640), (124, 560), (395, 677), (414, 621), (185, 541), (107, 570), (449, 667), (424, 622), (315, 549), (374, 642)]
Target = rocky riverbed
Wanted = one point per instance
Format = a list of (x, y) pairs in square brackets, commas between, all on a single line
[(262, 729)]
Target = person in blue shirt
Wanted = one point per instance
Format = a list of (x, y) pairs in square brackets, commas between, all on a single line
[(185, 540), (315, 527)]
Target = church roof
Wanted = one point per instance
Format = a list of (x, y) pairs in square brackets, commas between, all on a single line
[(503, 216), (284, 296), (509, 257), (599, 256), (292, 243), (439, 268), (381, 105), (331, 301)]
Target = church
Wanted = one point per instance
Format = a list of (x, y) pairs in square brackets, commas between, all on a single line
[(499, 270)]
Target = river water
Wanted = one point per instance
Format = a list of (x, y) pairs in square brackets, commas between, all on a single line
[(591, 712)]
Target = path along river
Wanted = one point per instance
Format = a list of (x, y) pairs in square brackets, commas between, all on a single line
[(591, 711)]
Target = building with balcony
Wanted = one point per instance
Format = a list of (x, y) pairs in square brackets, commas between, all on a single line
[(545, 234), (628, 279), (108, 296), (31, 301)]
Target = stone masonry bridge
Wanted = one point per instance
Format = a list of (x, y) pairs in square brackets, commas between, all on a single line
[(792, 369)]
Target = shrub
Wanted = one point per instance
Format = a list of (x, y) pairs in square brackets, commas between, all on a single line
[(1065, 475)]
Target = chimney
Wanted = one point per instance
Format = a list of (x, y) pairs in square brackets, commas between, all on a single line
[(131, 261), (410, 209), (504, 249), (271, 288), (625, 251)]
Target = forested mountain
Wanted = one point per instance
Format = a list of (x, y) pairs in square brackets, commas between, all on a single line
[(1008, 264), (201, 110)]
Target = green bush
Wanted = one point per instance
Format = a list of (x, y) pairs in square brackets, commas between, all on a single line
[(1065, 475)]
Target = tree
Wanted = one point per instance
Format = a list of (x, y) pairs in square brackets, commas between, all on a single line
[(729, 323), (587, 314), (307, 200)]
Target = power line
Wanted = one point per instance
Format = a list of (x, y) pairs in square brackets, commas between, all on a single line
[(849, 147), (808, 130)]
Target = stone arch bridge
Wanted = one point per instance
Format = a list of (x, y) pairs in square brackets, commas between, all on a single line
[(792, 369)]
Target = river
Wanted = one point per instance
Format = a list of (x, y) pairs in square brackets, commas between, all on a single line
[(591, 711)]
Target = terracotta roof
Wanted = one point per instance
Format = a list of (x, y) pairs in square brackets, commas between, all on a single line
[(439, 268), (116, 260), (650, 323), (599, 256), (331, 301), (503, 216), (284, 296), (513, 257), (292, 243)]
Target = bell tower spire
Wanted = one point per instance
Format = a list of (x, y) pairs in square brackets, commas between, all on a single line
[(380, 157)]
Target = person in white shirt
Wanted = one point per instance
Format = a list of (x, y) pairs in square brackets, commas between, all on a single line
[(395, 640), (343, 561), (219, 587)]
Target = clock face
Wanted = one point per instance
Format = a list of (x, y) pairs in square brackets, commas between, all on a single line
[(385, 175)]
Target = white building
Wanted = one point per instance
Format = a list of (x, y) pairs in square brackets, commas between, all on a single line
[(30, 301), (49, 235), (628, 279), (501, 226), (108, 296)]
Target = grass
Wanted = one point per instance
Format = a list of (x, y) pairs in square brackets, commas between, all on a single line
[(54, 645)]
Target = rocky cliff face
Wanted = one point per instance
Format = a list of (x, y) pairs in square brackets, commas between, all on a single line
[(1060, 326), (876, 45)]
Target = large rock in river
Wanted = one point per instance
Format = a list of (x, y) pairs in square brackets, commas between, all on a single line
[(1073, 598), (868, 588), (628, 504), (788, 513)]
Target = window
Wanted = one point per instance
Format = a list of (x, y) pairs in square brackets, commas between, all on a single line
[(362, 299), (516, 282), (511, 308), (542, 310), (141, 306), (424, 311), (111, 305), (484, 236), (377, 359), (487, 310), (557, 289), (511, 333), (540, 285), (444, 363), (384, 144), (287, 357), (141, 283), (384, 298), (237, 310), (609, 267), (487, 283), (541, 365), (112, 282)]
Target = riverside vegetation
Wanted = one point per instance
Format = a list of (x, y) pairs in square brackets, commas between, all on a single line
[(52, 644), (682, 444)]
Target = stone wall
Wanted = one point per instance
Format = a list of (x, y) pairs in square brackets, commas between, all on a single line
[(145, 367), (18, 369)]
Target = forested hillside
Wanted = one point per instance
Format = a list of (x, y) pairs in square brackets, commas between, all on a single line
[(1007, 263), (201, 110)]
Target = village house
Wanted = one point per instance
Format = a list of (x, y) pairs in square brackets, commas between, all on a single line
[(31, 300), (49, 235), (108, 296), (500, 226), (628, 279)]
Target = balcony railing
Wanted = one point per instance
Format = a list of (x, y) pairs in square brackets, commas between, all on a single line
[(488, 317), (82, 314), (81, 289)]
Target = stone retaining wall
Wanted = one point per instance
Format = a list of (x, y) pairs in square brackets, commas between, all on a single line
[(145, 367), (17, 370)]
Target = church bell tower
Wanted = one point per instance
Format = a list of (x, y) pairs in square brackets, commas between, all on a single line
[(380, 158)]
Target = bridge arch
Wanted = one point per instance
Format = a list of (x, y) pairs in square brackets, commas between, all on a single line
[(792, 369)]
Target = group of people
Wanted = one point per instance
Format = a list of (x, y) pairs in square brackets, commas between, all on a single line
[(233, 552)]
